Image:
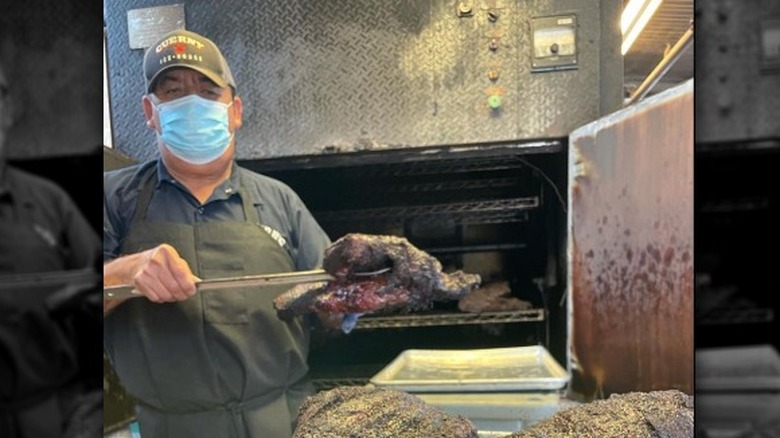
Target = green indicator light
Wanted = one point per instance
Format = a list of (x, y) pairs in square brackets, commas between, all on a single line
[(494, 101)]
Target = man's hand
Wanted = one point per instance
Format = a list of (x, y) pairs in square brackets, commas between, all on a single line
[(159, 274), (163, 276)]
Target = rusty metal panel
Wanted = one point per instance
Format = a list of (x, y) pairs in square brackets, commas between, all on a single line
[(742, 101), (352, 75), (631, 247)]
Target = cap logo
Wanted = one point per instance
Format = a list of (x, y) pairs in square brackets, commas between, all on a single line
[(179, 45), (186, 49), (178, 41)]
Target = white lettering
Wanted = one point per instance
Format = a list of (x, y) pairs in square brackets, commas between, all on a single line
[(178, 39), (182, 57), (277, 236)]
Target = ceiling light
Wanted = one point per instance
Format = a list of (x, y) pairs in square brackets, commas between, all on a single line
[(635, 16)]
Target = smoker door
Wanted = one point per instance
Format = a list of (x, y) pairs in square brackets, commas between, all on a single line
[(630, 248)]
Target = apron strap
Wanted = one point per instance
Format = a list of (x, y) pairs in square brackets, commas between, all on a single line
[(250, 212), (144, 198)]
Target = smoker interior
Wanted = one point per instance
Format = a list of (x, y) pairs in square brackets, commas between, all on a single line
[(736, 221), (494, 210)]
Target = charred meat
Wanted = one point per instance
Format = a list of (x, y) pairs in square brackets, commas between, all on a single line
[(652, 414), (413, 282), (368, 412), (492, 297)]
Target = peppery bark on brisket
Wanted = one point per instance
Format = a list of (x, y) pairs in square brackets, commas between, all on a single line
[(655, 414), (369, 412), (414, 281), (492, 297)]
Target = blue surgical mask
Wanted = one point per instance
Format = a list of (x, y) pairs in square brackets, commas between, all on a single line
[(195, 129)]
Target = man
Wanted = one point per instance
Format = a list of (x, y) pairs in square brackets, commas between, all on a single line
[(42, 234), (42, 229), (213, 363)]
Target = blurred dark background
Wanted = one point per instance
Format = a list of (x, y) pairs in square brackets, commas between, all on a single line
[(737, 212), (737, 217), (51, 53)]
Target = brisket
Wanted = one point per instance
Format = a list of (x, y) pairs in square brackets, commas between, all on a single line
[(655, 414), (492, 297), (413, 282), (369, 412)]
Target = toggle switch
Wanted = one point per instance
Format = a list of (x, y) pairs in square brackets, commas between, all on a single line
[(465, 9)]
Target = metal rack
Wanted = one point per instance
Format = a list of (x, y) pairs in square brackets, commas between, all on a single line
[(443, 186), (445, 319), (437, 167), (360, 376), (451, 203), (730, 316), (415, 160), (487, 211)]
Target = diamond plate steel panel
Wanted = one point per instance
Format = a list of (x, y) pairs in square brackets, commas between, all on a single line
[(351, 75), (742, 101), (50, 54)]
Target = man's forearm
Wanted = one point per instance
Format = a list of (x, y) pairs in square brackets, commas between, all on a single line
[(117, 272)]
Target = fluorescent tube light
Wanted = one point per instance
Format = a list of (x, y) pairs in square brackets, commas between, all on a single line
[(634, 18)]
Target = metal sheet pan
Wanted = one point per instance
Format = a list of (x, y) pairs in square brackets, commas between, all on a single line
[(527, 368), (740, 368)]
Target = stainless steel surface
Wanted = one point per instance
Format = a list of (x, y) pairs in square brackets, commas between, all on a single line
[(128, 291), (507, 411), (477, 370)]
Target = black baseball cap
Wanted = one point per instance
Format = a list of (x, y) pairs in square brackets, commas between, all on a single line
[(183, 48)]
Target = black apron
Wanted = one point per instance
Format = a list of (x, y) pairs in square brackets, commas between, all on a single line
[(36, 358), (220, 364)]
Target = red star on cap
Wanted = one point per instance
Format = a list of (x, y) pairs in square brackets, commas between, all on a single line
[(179, 48)]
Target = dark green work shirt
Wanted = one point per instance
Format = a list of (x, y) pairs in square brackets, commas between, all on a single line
[(31, 202), (279, 209), (41, 230)]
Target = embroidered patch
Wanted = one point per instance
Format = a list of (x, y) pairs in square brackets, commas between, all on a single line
[(46, 235), (277, 236)]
